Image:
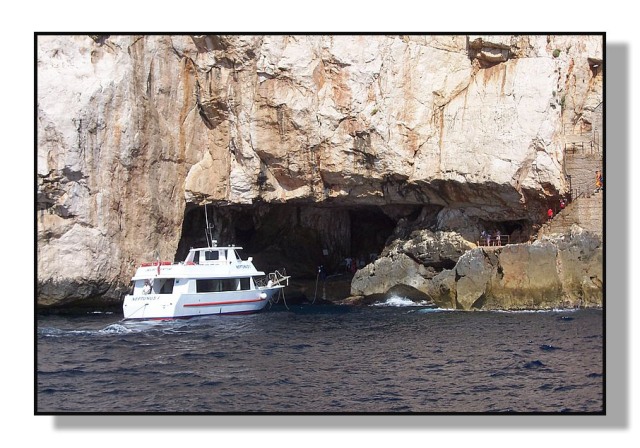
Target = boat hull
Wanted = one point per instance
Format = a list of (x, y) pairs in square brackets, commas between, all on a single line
[(171, 306)]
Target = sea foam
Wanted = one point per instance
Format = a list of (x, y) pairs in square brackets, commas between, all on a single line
[(401, 301), (116, 329)]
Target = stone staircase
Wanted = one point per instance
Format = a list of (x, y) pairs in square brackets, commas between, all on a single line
[(585, 211), (581, 167), (583, 157), (583, 153)]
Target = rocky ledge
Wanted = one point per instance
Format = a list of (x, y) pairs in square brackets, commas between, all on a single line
[(559, 270)]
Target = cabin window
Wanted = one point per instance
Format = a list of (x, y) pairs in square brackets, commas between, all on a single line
[(165, 285), (245, 284), (207, 285), (221, 284), (211, 255), (230, 284)]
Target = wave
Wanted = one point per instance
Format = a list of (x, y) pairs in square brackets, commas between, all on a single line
[(534, 311), (110, 329), (435, 310), (51, 332), (115, 329), (399, 301)]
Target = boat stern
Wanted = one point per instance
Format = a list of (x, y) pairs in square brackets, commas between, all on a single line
[(149, 306)]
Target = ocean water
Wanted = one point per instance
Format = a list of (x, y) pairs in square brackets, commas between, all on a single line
[(392, 357)]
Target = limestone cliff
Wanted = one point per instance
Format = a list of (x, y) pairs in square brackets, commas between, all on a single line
[(134, 132)]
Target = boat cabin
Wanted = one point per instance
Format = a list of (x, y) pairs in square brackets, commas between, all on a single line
[(192, 285), (227, 272), (213, 255)]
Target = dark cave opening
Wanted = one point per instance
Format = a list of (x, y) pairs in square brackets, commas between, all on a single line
[(193, 231), (301, 237), (370, 228), (298, 237), (518, 231)]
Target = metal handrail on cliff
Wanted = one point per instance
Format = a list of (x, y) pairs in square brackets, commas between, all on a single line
[(577, 193), (591, 148), (504, 240)]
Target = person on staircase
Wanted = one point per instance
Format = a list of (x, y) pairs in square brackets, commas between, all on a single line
[(599, 184)]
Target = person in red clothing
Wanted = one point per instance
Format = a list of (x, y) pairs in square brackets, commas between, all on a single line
[(550, 214)]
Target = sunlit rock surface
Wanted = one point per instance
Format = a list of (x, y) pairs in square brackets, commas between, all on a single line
[(564, 270)]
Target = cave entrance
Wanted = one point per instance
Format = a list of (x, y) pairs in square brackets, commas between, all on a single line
[(193, 231), (298, 237), (370, 229), (518, 231)]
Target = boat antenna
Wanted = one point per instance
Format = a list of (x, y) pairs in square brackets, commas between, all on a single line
[(208, 232)]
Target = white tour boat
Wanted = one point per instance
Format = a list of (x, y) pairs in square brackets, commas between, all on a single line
[(211, 280)]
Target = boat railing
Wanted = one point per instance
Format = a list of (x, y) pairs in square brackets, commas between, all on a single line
[(275, 278), (261, 282), (156, 263), (278, 278)]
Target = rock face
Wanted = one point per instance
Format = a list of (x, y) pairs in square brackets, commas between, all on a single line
[(562, 270), (134, 131)]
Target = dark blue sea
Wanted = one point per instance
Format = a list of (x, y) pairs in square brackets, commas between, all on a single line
[(385, 358)]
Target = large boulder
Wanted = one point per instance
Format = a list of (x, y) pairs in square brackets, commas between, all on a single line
[(391, 274), (473, 278)]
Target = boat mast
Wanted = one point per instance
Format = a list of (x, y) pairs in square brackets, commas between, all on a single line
[(208, 232)]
